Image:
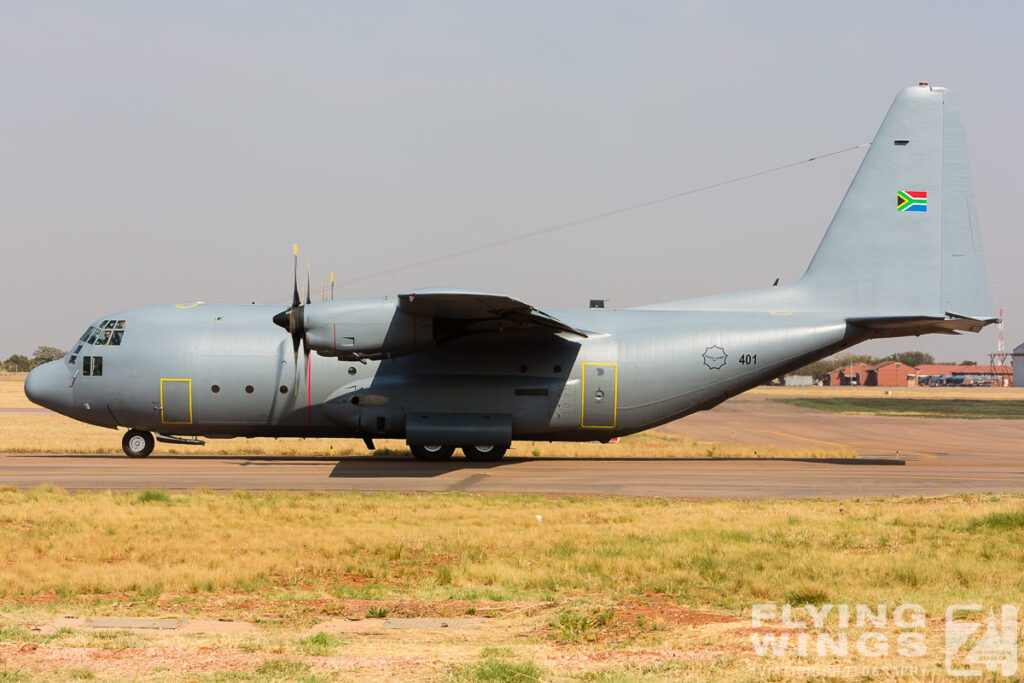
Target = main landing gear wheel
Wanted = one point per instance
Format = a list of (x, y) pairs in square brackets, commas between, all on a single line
[(484, 453), (137, 443), (431, 452)]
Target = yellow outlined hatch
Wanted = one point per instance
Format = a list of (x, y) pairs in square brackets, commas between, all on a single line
[(162, 408), (615, 397)]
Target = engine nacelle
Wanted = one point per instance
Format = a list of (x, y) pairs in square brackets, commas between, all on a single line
[(357, 329)]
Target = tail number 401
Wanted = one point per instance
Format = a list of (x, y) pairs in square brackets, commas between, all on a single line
[(748, 359)]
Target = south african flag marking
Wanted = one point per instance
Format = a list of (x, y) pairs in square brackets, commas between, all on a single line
[(909, 200)]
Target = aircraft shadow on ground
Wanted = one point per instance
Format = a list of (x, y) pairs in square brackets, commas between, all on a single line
[(372, 467), (356, 467)]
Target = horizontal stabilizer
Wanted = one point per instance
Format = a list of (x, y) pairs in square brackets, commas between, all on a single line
[(901, 326)]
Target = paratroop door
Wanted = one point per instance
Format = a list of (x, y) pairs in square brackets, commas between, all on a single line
[(176, 401), (600, 395)]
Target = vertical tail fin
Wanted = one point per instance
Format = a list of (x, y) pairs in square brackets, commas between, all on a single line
[(905, 239)]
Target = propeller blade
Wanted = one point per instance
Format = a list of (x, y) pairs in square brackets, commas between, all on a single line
[(332, 285), (294, 320), (309, 386), (307, 283), (295, 278)]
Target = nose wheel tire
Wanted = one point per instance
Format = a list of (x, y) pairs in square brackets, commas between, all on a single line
[(428, 452), (488, 453), (137, 443)]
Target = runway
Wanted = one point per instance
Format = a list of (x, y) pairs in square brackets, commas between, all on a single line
[(935, 457), (633, 477)]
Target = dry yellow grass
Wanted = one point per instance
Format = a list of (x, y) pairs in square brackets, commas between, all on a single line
[(721, 554), (52, 433)]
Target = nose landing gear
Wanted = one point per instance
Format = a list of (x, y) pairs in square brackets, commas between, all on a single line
[(137, 443)]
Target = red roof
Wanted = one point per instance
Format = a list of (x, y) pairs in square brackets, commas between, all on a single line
[(896, 362), (952, 369)]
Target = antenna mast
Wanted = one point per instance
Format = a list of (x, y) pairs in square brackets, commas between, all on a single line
[(1000, 356)]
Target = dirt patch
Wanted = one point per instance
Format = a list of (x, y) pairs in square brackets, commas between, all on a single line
[(669, 613)]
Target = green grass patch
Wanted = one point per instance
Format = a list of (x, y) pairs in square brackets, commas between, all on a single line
[(153, 496), (578, 625), (377, 612), (498, 669), (965, 409), (1003, 521), (318, 644)]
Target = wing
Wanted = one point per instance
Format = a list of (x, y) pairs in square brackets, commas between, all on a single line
[(464, 312)]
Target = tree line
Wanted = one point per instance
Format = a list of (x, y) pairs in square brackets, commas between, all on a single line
[(22, 363)]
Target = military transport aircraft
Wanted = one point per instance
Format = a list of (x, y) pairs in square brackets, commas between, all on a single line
[(444, 368)]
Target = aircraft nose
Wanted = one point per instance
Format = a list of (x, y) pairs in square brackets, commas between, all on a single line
[(47, 386)]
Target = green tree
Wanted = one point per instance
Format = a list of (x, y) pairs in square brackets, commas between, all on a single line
[(914, 358), (968, 362), (18, 363), (44, 354)]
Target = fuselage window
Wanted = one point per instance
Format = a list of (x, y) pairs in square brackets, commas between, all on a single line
[(92, 365)]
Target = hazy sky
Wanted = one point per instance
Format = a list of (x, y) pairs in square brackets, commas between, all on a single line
[(171, 152)]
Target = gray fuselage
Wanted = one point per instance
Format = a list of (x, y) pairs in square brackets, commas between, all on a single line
[(223, 370)]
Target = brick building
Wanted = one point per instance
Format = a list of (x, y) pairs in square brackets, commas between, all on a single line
[(854, 374), (892, 373)]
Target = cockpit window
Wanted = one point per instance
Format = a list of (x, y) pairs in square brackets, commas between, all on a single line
[(74, 355), (107, 332)]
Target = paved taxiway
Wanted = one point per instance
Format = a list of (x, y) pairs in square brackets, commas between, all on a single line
[(936, 457)]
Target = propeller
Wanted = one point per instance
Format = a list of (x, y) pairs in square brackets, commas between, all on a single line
[(294, 320)]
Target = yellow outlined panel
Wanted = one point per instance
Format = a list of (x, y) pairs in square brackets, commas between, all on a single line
[(615, 397), (189, 420)]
